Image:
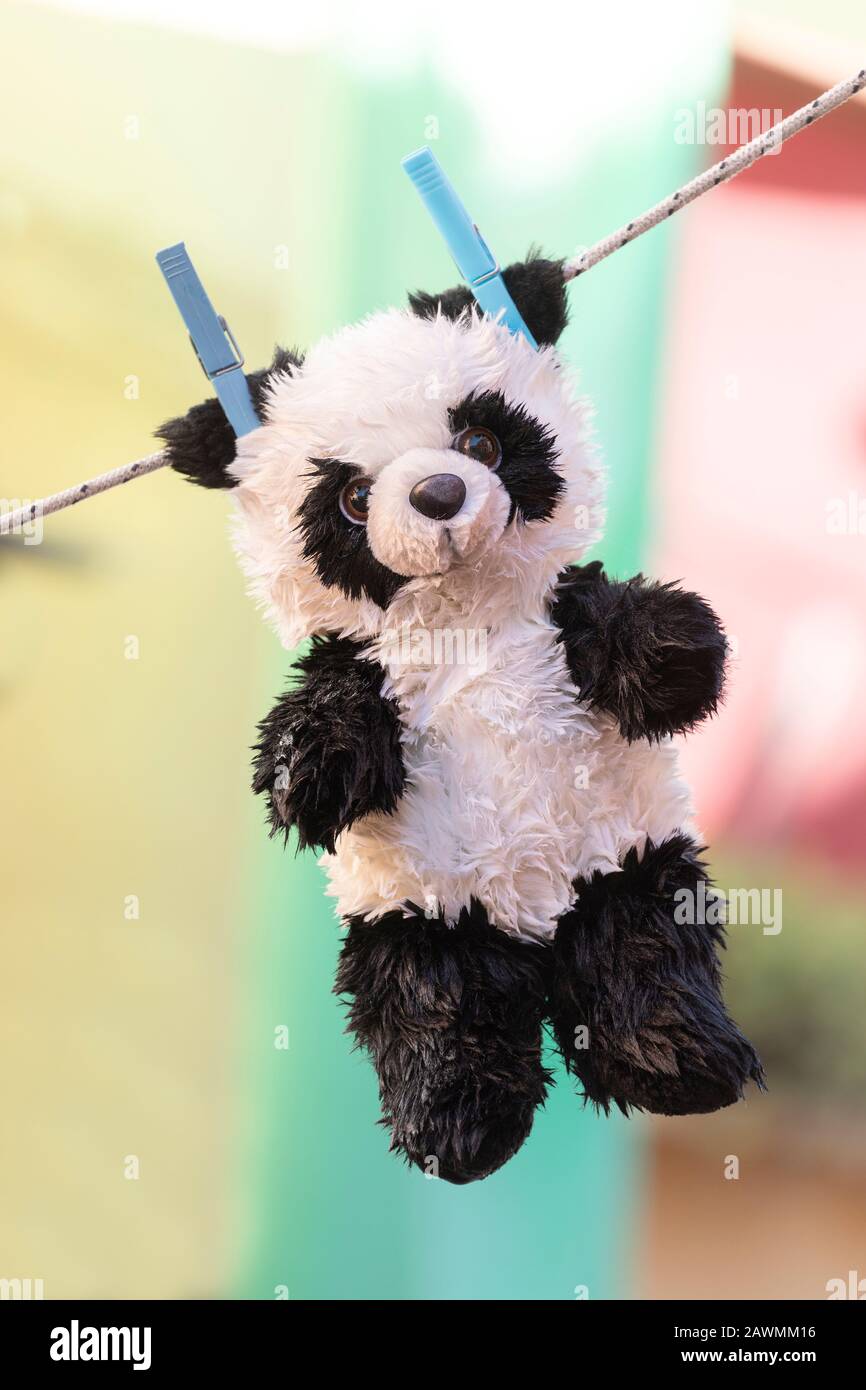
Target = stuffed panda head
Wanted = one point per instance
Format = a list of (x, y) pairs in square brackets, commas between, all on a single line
[(424, 459)]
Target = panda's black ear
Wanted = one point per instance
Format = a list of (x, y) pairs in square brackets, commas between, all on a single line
[(536, 286), (201, 444)]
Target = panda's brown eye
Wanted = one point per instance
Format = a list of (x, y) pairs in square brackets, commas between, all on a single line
[(355, 500), (479, 443)]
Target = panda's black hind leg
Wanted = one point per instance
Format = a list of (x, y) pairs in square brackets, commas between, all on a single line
[(636, 1002), (452, 1018)]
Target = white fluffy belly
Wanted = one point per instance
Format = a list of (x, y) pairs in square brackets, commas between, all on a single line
[(513, 790)]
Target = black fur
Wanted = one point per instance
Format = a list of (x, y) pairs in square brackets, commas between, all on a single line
[(452, 1018), (528, 469), (329, 751), (201, 444), (652, 655), (647, 988), (535, 285), (338, 548)]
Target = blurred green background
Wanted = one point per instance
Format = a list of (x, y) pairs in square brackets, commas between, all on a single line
[(275, 155)]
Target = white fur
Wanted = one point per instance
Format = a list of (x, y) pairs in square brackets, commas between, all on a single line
[(513, 788)]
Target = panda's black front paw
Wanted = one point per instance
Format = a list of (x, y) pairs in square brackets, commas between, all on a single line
[(651, 655), (309, 790), (329, 752), (673, 651)]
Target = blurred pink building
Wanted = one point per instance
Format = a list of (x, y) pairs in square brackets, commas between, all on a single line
[(761, 501)]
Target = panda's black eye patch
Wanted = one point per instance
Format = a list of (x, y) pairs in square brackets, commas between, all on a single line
[(527, 467), (331, 521)]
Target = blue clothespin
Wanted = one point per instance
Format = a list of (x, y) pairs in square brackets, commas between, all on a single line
[(213, 341), (474, 258)]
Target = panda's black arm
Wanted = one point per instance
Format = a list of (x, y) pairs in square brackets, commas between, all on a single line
[(652, 655), (329, 751)]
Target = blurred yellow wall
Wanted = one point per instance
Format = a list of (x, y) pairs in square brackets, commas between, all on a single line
[(122, 777)]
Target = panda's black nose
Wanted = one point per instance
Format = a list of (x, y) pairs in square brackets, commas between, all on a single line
[(440, 496)]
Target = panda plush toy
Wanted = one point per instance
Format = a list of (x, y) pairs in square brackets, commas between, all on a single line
[(480, 734)]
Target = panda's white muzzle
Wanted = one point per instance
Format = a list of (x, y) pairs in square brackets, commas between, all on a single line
[(433, 508)]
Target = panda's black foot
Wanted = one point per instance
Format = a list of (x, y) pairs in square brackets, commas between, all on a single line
[(452, 1018), (636, 997)]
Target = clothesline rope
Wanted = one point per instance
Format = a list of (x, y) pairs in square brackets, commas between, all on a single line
[(748, 154), (727, 168), (13, 521)]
